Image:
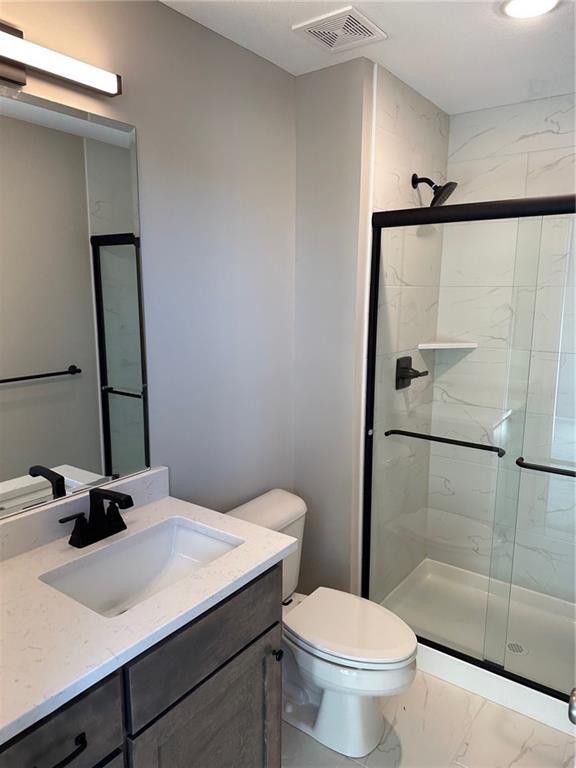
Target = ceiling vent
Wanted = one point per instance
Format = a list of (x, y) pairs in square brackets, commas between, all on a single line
[(340, 30)]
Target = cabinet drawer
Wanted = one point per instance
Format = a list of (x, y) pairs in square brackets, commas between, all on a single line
[(96, 714), (116, 762), (173, 667), (233, 720)]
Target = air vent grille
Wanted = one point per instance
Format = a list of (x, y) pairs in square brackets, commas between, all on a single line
[(517, 648), (341, 30)]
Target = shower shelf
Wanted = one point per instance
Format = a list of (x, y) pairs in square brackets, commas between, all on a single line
[(448, 345)]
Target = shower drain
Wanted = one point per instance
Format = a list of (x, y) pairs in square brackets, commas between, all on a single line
[(517, 648)]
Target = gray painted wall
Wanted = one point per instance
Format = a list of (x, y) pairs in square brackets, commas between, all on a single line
[(332, 115), (46, 307), (216, 148)]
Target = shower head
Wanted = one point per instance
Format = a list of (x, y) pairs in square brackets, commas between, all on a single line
[(441, 191)]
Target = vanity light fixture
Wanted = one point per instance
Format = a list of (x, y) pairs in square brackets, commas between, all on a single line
[(17, 54), (527, 9)]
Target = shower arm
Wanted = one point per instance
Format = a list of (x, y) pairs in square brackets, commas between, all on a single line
[(422, 180)]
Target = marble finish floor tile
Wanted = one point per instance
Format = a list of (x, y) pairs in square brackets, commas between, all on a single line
[(438, 725), (302, 751), (500, 738), (424, 726)]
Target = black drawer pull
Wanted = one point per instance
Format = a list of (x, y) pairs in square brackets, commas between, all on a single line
[(278, 655), (81, 743)]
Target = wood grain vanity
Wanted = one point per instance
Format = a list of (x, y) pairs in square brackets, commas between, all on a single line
[(208, 696)]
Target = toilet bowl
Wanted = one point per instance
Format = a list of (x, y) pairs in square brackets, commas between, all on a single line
[(342, 652)]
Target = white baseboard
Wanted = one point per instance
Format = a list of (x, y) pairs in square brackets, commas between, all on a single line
[(545, 709)]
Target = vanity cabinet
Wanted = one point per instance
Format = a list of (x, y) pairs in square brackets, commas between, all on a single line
[(231, 721), (116, 762), (208, 696), (160, 677)]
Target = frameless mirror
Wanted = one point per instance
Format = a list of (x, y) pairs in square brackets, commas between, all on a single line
[(73, 405)]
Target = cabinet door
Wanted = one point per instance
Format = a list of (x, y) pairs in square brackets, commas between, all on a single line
[(233, 720)]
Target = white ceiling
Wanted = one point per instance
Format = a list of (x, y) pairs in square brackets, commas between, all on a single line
[(462, 55)]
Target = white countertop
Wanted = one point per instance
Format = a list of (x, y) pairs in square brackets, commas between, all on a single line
[(52, 648)]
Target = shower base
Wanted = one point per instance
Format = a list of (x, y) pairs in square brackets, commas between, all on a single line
[(530, 634)]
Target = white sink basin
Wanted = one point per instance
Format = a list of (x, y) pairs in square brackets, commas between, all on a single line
[(117, 577)]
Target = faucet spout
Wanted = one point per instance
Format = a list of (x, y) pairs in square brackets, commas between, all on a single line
[(54, 478), (102, 523)]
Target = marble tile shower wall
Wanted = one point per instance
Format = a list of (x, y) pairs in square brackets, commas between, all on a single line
[(510, 287), (411, 136)]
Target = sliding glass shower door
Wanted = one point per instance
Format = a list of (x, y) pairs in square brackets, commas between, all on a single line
[(471, 369), (539, 566)]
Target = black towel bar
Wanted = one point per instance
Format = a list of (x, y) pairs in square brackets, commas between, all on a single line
[(72, 370), (433, 438), (545, 468)]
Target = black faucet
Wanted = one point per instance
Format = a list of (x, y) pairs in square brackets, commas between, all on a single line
[(101, 523), (56, 481)]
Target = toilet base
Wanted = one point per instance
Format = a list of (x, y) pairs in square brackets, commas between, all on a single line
[(348, 724)]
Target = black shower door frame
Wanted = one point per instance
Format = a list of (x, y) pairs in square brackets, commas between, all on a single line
[(97, 242), (409, 217)]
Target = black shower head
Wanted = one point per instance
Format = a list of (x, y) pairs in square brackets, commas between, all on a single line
[(441, 191)]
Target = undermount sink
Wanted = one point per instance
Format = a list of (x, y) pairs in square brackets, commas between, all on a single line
[(122, 574)]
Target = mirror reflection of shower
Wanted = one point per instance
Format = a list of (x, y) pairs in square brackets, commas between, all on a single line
[(441, 191)]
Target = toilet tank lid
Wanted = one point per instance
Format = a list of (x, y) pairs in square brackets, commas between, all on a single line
[(275, 509)]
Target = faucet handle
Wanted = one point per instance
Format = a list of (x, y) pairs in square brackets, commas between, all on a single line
[(80, 536), (114, 519)]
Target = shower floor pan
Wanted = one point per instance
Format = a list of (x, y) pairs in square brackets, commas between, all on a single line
[(533, 635)]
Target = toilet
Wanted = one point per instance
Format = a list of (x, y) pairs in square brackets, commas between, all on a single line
[(342, 652)]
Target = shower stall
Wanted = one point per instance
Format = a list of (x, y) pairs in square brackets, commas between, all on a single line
[(470, 447)]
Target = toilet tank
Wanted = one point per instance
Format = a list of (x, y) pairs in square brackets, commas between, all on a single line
[(283, 512)]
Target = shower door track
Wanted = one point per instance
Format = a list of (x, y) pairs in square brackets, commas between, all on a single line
[(497, 669), (446, 214)]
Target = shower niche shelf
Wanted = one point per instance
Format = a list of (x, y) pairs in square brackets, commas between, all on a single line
[(441, 344)]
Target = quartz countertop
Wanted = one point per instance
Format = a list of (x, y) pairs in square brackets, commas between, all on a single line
[(53, 648)]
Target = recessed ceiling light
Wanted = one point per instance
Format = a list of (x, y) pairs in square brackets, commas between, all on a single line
[(526, 9)]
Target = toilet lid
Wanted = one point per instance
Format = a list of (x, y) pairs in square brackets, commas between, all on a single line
[(350, 627)]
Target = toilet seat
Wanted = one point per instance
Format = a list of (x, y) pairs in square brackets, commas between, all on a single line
[(350, 631), (342, 661)]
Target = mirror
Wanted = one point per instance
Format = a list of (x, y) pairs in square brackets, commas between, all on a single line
[(73, 395)]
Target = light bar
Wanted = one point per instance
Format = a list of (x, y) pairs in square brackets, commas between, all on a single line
[(20, 51), (527, 9)]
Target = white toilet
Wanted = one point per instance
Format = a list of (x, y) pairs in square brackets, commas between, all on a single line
[(342, 652)]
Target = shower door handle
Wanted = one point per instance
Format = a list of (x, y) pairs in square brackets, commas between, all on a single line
[(545, 468), (572, 706)]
